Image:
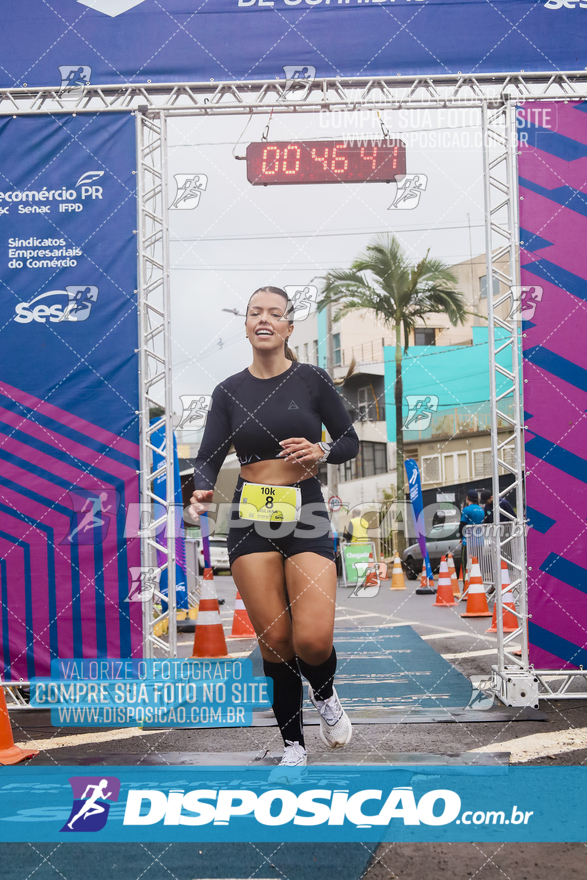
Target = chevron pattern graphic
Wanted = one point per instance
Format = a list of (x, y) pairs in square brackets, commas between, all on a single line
[(553, 221), (62, 591)]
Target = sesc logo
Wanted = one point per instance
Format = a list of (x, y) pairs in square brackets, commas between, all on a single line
[(72, 304)]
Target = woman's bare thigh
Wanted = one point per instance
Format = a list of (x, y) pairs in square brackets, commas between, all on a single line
[(260, 580), (311, 586)]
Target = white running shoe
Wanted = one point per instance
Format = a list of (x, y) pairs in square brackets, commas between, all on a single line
[(335, 727), (289, 769)]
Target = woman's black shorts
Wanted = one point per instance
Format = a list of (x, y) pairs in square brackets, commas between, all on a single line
[(310, 534)]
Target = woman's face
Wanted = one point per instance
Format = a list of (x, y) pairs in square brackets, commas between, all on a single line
[(265, 325)]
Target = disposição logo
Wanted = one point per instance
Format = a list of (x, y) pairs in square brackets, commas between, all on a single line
[(90, 802)]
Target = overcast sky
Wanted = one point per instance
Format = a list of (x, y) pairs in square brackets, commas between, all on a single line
[(241, 237)]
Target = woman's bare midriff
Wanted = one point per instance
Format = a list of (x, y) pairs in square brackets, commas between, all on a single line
[(277, 473)]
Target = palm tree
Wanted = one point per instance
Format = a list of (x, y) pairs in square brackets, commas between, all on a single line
[(383, 280)]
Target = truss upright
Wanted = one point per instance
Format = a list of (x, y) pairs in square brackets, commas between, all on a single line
[(157, 511)]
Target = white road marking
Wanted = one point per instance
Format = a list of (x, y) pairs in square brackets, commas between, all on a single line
[(458, 632), (470, 654), (75, 739), (540, 745)]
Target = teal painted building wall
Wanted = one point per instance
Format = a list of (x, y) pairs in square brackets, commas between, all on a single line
[(322, 348), (455, 378)]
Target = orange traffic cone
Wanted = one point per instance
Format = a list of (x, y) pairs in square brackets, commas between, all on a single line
[(426, 587), (453, 576), (9, 753), (209, 638), (444, 594), (510, 621), (397, 575), (476, 599), (241, 622), (465, 585)]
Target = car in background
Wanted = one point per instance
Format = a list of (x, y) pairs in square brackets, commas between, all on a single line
[(218, 553), (442, 538)]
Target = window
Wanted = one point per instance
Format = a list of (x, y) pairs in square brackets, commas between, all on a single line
[(443, 532), (431, 469), (483, 286), (372, 459), (323, 473), (297, 351), (306, 353), (347, 471), (336, 349), (455, 466), (315, 344), (363, 395), (424, 336), (482, 462)]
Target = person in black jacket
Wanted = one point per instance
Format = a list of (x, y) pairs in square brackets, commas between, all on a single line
[(504, 504), (280, 543)]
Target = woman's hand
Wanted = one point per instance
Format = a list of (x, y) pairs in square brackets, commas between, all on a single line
[(200, 501), (298, 450)]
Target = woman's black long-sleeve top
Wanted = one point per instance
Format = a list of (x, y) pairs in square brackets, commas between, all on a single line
[(255, 414)]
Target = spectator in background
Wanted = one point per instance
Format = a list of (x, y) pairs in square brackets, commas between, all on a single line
[(357, 531), (487, 500), (471, 514)]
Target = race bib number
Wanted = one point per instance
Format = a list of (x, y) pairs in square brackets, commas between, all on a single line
[(270, 503)]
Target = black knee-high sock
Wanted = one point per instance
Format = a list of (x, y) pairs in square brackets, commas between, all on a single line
[(288, 696), (321, 677)]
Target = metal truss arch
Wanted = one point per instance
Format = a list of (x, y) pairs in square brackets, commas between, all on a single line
[(514, 681)]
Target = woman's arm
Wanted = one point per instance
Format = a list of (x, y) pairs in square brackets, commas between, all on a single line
[(345, 443), (215, 443)]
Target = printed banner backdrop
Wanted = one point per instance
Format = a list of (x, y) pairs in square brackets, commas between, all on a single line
[(329, 804), (72, 42), (413, 472), (68, 390), (553, 221)]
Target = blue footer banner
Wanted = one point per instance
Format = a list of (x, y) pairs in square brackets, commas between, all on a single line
[(295, 804)]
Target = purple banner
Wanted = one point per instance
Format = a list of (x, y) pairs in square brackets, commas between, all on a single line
[(553, 310)]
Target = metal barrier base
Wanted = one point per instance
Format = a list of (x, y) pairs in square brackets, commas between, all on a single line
[(515, 687)]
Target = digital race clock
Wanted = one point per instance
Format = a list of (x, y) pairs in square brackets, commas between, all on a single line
[(335, 161)]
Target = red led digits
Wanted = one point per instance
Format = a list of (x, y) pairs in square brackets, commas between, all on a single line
[(275, 162), (323, 158), (336, 160), (294, 162), (370, 157), (325, 162)]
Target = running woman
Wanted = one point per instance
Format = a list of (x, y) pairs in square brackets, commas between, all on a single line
[(280, 544)]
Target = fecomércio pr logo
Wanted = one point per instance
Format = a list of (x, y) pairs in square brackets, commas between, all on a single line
[(91, 795)]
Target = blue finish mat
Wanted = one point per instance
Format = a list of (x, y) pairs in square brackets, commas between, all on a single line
[(104, 861), (391, 669)]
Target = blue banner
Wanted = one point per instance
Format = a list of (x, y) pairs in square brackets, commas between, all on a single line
[(417, 503), (153, 693), (69, 43), (323, 803), (160, 489), (69, 454)]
